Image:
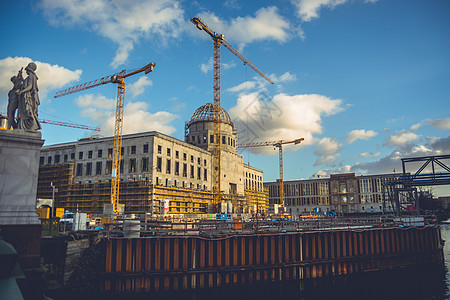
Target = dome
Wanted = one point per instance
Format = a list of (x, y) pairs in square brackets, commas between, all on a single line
[(208, 111)]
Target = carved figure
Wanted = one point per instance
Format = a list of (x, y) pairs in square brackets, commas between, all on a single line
[(29, 101), (13, 100)]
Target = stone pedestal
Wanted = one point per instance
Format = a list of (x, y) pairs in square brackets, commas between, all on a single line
[(19, 168)]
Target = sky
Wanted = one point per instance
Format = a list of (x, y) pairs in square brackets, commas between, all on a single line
[(364, 82)]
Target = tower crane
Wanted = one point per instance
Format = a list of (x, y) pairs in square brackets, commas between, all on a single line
[(53, 122), (279, 145), (69, 124), (218, 40), (118, 78)]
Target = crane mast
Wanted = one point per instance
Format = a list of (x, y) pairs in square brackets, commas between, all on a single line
[(218, 40), (279, 145), (118, 78)]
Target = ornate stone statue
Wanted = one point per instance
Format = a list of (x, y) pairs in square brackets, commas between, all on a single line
[(13, 100), (28, 101)]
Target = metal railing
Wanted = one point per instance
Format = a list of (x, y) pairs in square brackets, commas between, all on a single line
[(220, 228)]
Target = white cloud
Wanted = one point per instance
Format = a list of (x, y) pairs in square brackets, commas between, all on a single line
[(442, 124), (369, 154), (267, 24), (260, 83), (123, 22), (284, 117), (309, 9), (401, 139), (287, 77), (50, 76), (415, 126), (360, 134), (137, 118), (327, 150), (247, 85), (392, 161), (205, 68), (138, 87), (386, 164), (95, 101), (328, 172)]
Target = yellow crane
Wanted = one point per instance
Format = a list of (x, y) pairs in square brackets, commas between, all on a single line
[(218, 40), (118, 78), (279, 145)]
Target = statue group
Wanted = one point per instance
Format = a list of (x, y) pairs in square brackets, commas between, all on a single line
[(24, 100)]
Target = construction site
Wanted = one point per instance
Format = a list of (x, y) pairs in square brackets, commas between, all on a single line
[(160, 214)]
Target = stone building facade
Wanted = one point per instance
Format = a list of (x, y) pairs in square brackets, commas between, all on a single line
[(343, 193), (179, 170)]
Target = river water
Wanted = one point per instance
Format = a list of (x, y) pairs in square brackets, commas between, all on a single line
[(389, 285)]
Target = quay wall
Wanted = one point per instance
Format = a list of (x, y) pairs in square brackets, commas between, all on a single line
[(170, 263)]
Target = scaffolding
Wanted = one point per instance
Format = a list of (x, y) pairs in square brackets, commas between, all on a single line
[(257, 199), (138, 196), (61, 176)]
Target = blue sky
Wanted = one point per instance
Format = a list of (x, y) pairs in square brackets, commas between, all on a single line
[(364, 82)]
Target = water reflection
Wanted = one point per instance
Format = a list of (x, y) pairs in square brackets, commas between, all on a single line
[(410, 284)]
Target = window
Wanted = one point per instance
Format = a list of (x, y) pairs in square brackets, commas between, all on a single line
[(204, 162), (159, 149), (99, 153), (177, 168), (205, 174), (57, 158), (223, 140), (49, 160), (192, 171), (72, 155), (79, 170), (89, 168), (199, 160), (121, 165), (98, 168), (184, 170), (110, 152), (168, 166), (145, 149), (199, 173), (204, 139), (192, 158), (108, 167), (211, 139), (177, 154), (133, 149), (80, 155), (145, 164), (168, 151), (184, 156), (90, 154), (122, 150), (41, 160), (132, 166), (158, 164)]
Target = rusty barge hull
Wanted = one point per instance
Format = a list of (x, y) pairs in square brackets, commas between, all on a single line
[(171, 263)]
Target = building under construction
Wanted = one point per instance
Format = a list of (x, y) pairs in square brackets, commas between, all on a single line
[(158, 173)]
